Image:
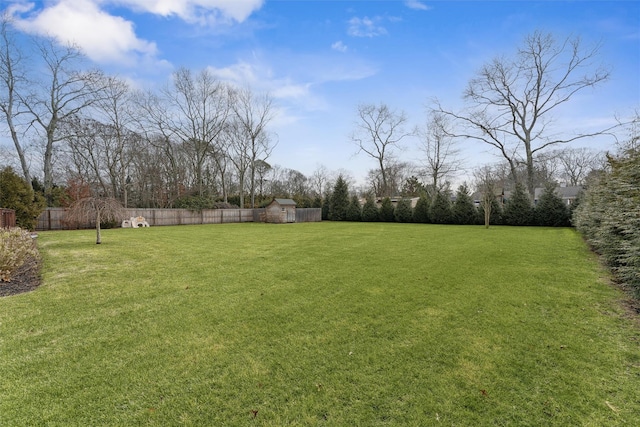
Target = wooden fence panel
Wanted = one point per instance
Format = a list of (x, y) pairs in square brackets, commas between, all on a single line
[(54, 218), (7, 218), (309, 215)]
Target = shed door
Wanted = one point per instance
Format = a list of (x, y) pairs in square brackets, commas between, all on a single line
[(291, 215)]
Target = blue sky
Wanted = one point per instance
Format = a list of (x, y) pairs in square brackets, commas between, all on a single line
[(320, 59)]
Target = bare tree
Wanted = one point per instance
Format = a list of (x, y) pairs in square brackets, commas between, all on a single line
[(577, 163), (318, 180), (12, 78), (198, 111), (252, 114), (487, 184), (396, 175), (154, 120), (440, 150), (262, 169), (96, 209), (115, 109), (512, 101), (378, 132), (238, 152), (63, 92)]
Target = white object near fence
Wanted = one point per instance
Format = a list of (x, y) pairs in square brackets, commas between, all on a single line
[(135, 222)]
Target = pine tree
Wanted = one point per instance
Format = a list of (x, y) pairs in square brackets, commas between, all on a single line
[(339, 200), (325, 206), (518, 210), (354, 211), (550, 210), (387, 211), (370, 212), (441, 212), (403, 212), (609, 217), (464, 211), (16, 194), (421, 211)]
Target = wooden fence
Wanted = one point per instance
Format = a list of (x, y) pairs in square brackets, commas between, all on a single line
[(55, 218), (7, 218)]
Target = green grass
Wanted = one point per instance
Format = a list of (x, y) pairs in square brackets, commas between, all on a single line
[(337, 324)]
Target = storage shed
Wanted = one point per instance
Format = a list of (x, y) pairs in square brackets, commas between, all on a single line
[(280, 211)]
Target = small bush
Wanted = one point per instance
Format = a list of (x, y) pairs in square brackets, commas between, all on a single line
[(16, 246)]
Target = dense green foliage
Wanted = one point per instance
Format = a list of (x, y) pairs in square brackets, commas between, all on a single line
[(370, 212), (441, 212), (387, 211), (609, 217), (354, 210), (421, 211), (194, 202), (464, 212), (333, 323), (518, 209), (550, 210), (403, 211), (339, 201), (16, 194)]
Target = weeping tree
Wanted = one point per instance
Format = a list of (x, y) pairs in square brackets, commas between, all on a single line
[(96, 209)]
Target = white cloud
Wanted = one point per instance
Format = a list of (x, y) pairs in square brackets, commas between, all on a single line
[(366, 27), (294, 80), (106, 38), (261, 77), (339, 46), (416, 4), (206, 12), (102, 37)]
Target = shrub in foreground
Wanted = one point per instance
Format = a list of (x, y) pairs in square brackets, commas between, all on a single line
[(16, 247)]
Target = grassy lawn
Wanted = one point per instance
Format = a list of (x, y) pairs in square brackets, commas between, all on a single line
[(337, 324)]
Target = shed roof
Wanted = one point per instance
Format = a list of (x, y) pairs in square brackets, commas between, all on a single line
[(285, 202)]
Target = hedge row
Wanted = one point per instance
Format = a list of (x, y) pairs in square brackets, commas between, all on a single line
[(518, 210), (609, 217)]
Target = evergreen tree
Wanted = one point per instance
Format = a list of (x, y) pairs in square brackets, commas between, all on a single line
[(339, 200), (387, 211), (441, 212), (370, 212), (609, 216), (325, 206), (464, 211), (16, 194), (317, 202), (518, 210), (550, 210), (421, 211), (354, 211), (403, 212)]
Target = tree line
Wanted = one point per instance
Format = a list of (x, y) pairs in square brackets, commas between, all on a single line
[(197, 142), (450, 208)]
